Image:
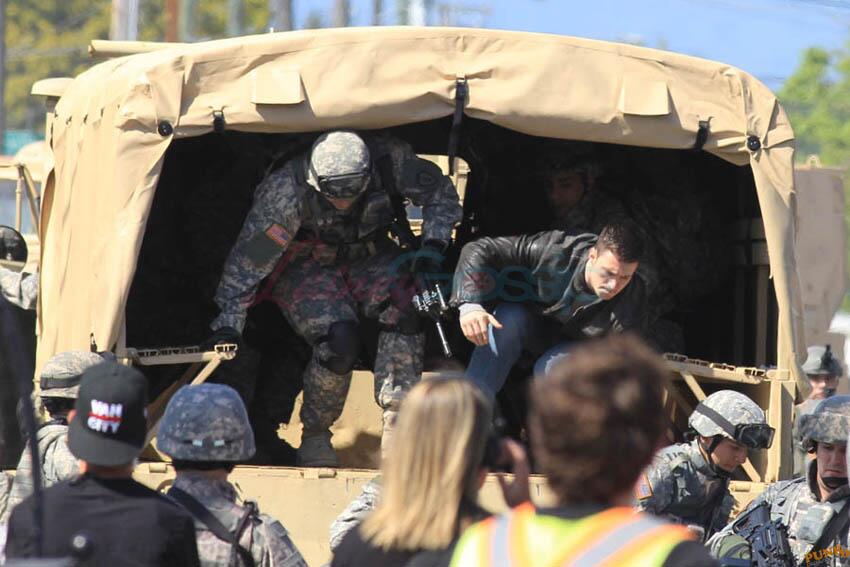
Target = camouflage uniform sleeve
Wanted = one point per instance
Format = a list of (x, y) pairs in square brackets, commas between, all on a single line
[(5, 489), (59, 463), (19, 288), (279, 551), (268, 229), (656, 488), (355, 512), (424, 184)]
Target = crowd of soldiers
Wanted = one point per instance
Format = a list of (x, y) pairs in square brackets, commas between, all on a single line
[(329, 232)]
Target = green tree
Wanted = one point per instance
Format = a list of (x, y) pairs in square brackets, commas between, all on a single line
[(817, 99), (46, 39), (49, 38)]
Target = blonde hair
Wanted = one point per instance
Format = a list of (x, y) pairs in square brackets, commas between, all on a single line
[(431, 470)]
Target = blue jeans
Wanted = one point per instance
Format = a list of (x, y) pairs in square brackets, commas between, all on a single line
[(522, 329)]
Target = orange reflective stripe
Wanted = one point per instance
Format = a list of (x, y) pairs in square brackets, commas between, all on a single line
[(636, 548), (597, 527), (518, 535), (486, 534)]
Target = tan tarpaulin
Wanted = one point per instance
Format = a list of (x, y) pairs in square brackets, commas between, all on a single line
[(109, 152)]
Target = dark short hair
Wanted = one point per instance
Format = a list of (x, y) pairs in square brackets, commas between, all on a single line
[(623, 238), (57, 406), (597, 418), (181, 465)]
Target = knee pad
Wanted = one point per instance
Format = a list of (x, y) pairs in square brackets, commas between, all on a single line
[(338, 350)]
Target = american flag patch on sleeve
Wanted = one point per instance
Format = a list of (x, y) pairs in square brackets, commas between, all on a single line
[(278, 234), (643, 489)]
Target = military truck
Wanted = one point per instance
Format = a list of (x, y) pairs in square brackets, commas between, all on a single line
[(156, 155), (821, 251), (20, 195)]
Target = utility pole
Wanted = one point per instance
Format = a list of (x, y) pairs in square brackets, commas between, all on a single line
[(280, 15), (124, 24), (417, 13), (342, 14), (185, 30), (460, 14), (3, 76), (377, 12), (171, 17), (118, 21), (235, 23), (402, 8)]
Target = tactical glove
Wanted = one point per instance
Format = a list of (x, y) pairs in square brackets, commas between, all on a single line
[(428, 260), (223, 335)]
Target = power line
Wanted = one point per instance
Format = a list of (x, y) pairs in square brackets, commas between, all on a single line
[(832, 4), (824, 11)]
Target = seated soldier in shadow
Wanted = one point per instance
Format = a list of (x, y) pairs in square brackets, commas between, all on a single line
[(575, 201)]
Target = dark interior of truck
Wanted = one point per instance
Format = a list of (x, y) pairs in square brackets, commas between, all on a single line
[(710, 297)]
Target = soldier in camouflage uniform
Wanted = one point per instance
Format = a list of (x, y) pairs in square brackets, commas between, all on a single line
[(60, 382), (356, 511), (689, 482), (319, 227), (576, 202), (813, 508), (205, 430), (823, 372), (17, 287)]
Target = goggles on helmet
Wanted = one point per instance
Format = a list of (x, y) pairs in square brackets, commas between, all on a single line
[(754, 435), (751, 435), (343, 186)]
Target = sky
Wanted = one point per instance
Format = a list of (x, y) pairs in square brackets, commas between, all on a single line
[(762, 37)]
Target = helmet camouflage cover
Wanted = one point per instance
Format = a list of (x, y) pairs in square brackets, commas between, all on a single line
[(733, 406), (206, 422), (829, 423), (60, 376), (822, 362), (13, 247), (340, 165)]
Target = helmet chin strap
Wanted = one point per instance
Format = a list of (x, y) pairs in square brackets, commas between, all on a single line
[(719, 471), (833, 482)]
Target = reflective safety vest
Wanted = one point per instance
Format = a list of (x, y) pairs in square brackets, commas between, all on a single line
[(618, 537)]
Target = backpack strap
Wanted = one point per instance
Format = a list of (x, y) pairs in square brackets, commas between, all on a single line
[(200, 513)]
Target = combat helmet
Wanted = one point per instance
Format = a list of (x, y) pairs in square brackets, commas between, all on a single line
[(821, 362), (733, 415), (60, 376), (340, 166), (13, 248), (206, 422), (829, 423)]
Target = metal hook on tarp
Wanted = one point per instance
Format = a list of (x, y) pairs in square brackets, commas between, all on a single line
[(702, 135), (461, 94)]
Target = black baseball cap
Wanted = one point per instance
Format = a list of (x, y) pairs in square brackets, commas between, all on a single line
[(110, 424)]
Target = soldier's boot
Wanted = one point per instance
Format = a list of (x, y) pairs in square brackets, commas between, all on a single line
[(398, 366), (389, 418), (316, 451), (324, 398)]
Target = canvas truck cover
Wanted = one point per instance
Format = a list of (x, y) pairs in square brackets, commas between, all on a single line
[(114, 123)]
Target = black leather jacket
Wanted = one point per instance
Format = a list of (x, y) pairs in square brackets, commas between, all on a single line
[(546, 269)]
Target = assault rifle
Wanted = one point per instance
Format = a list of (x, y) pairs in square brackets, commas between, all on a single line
[(768, 539), (430, 302)]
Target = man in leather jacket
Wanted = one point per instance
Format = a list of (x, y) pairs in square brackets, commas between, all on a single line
[(551, 285)]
